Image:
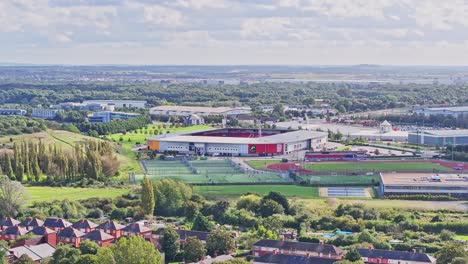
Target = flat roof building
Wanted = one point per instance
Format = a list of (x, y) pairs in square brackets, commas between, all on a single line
[(439, 137), (424, 184), (45, 113), (118, 103), (107, 116), (12, 112), (183, 111), (454, 111)]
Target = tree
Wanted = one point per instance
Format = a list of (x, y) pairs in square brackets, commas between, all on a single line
[(135, 250), (365, 236), (105, 256), (65, 254), (353, 255), (446, 235), (449, 252), (201, 223), (147, 196), (220, 242), (88, 259), (249, 202), (280, 199), (13, 197), (269, 207), (8, 167), (170, 243), (88, 247), (194, 250), (170, 196), (24, 259)]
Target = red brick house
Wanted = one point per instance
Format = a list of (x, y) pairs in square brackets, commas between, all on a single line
[(48, 235), (84, 225), (56, 224), (12, 233), (137, 230), (321, 250), (30, 223), (6, 222), (70, 236), (379, 256), (112, 228), (99, 237)]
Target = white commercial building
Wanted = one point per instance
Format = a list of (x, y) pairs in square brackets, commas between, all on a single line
[(118, 103), (184, 111), (454, 111)]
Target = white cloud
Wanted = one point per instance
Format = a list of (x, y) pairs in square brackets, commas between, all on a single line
[(199, 4), (160, 15)]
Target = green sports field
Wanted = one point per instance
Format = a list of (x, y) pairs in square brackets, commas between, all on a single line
[(342, 179), (40, 194), (238, 190), (373, 166), (261, 164)]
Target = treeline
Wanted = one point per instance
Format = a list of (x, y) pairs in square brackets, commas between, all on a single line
[(460, 153), (34, 162), (115, 126), (432, 120), (16, 125)]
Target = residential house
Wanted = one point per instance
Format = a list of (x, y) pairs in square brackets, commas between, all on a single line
[(12, 233), (269, 246), (136, 229), (6, 222), (56, 224), (112, 228), (291, 259), (84, 225), (371, 256), (99, 237), (48, 235), (36, 252), (70, 236), (30, 223)]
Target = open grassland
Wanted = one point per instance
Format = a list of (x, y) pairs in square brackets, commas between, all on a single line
[(261, 164), (42, 194), (461, 237), (373, 166), (232, 191)]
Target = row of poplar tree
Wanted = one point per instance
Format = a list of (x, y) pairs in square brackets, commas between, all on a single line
[(30, 161)]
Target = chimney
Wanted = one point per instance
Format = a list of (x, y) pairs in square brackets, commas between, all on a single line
[(413, 250), (321, 242), (370, 247)]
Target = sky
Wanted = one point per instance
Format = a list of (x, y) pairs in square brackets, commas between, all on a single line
[(230, 32)]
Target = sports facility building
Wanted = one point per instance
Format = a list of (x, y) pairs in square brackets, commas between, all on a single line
[(439, 137), (238, 142), (424, 184)]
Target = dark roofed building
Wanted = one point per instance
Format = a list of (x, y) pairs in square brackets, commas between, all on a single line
[(56, 224), (391, 256), (30, 223), (48, 235), (99, 237), (6, 222), (292, 259), (84, 225), (136, 229), (12, 233), (70, 235), (112, 228), (269, 246)]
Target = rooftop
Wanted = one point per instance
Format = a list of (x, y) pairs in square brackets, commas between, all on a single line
[(400, 255), (36, 252), (444, 133), (292, 259), (198, 109), (453, 108), (424, 179), (302, 246)]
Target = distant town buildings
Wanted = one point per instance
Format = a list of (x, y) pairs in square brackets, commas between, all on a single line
[(454, 111), (12, 112), (321, 250), (107, 116), (118, 103), (439, 137), (45, 113), (423, 184), (185, 111), (377, 256)]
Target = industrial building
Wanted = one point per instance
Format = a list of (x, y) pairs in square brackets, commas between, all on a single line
[(185, 111), (45, 113), (12, 112), (424, 184), (107, 116), (454, 111), (118, 103), (439, 137), (238, 142)]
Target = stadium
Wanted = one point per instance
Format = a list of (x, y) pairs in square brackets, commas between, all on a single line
[(238, 142)]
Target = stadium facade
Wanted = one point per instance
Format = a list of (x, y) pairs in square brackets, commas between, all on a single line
[(439, 137), (238, 142)]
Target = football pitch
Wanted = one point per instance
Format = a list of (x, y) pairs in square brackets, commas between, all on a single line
[(381, 166), (238, 190)]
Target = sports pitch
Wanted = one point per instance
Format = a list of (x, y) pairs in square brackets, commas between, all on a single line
[(372, 166)]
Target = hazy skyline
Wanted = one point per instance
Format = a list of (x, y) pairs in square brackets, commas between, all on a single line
[(308, 32)]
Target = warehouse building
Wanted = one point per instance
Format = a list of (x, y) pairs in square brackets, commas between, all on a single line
[(455, 185), (185, 111), (454, 111), (439, 137), (118, 103), (12, 112), (238, 142), (107, 116)]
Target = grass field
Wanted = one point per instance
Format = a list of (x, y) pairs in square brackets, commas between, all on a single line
[(373, 166), (238, 190), (39, 194), (342, 179), (261, 164), (461, 237)]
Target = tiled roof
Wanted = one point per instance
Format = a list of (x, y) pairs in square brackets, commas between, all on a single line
[(302, 246), (8, 221), (291, 259), (110, 225), (14, 230), (36, 252), (136, 228), (41, 231), (84, 224), (56, 222), (97, 235), (31, 222), (398, 255), (70, 232)]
